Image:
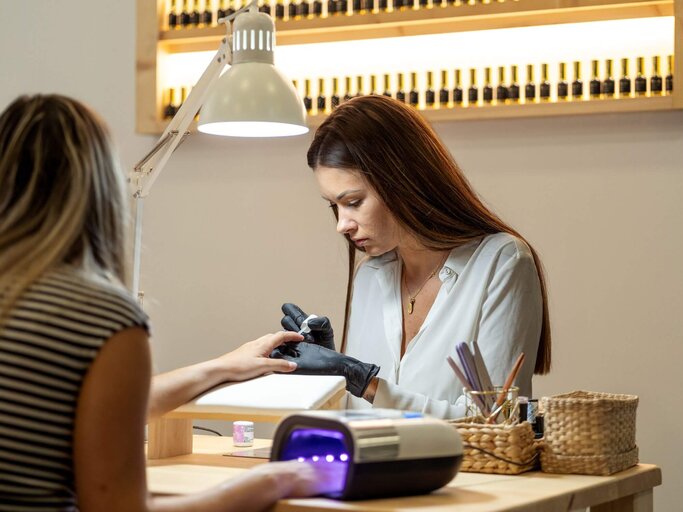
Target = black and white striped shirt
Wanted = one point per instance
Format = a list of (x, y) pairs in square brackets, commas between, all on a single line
[(50, 340)]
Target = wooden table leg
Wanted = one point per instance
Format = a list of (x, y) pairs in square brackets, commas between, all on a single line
[(639, 502), (169, 437)]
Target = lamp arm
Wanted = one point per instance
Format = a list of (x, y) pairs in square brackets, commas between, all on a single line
[(147, 170)]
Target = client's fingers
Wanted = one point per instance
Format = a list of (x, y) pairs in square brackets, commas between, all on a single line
[(277, 339), (279, 365)]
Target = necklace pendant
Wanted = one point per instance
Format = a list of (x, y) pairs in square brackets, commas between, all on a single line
[(410, 306)]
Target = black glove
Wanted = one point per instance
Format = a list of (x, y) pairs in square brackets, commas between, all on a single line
[(321, 328), (312, 359)]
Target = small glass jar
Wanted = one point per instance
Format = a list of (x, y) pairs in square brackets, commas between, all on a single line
[(484, 404), (242, 433)]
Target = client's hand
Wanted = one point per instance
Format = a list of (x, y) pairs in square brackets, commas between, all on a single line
[(251, 359), (321, 329), (301, 479), (312, 359)]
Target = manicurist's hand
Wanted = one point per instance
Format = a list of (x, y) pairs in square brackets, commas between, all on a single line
[(321, 328), (312, 359)]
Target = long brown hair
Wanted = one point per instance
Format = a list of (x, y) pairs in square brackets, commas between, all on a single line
[(405, 162), (62, 195)]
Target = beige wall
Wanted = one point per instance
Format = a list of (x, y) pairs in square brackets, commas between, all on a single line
[(232, 229)]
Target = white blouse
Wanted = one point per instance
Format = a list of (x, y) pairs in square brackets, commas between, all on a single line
[(490, 292)]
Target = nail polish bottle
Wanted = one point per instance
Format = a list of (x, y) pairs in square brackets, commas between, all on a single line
[(656, 78), (414, 94), (607, 88), (544, 87), (530, 87), (577, 84), (513, 90), (487, 90), (347, 87), (443, 92), (430, 96), (322, 99), (185, 14), (317, 8), (206, 18), (359, 86), (457, 89), (292, 10), (231, 9), (387, 85), (625, 80), (670, 77), (400, 92), (502, 91), (173, 15), (222, 10), (170, 107), (334, 99), (562, 85), (640, 82), (280, 10), (194, 15), (594, 86), (308, 101), (184, 92), (303, 10), (473, 91)]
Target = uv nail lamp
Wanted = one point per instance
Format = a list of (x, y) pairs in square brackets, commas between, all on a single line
[(374, 453)]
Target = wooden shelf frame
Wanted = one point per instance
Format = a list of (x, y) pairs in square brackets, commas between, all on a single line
[(153, 40)]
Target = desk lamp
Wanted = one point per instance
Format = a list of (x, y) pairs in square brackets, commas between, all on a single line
[(251, 99)]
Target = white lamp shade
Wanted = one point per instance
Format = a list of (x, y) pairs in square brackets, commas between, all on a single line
[(253, 99)]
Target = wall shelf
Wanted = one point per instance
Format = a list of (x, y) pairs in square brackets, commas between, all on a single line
[(155, 39), (437, 20), (538, 109)]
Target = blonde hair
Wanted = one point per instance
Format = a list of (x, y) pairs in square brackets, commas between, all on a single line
[(62, 195)]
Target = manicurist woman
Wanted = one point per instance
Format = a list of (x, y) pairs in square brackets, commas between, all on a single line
[(430, 266)]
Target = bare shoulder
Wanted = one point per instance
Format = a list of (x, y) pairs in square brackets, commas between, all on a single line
[(123, 361)]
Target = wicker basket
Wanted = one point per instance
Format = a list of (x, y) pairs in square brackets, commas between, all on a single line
[(587, 464), (501, 449), (589, 433)]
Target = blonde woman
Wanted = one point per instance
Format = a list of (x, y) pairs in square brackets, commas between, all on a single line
[(74, 352)]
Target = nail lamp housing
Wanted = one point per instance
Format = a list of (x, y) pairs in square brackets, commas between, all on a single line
[(379, 452)]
